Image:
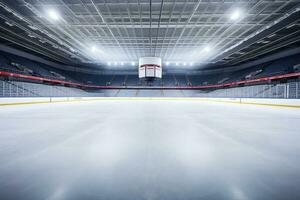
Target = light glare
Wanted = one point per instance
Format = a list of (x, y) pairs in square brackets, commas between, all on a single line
[(207, 49), (53, 15), (94, 49), (236, 15)]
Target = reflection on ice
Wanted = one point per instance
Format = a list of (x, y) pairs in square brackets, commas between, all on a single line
[(149, 150)]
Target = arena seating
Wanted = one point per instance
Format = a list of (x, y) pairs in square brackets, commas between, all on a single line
[(9, 63), (23, 87)]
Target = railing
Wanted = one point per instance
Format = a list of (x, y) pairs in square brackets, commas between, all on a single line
[(25, 89), (15, 71), (290, 90), (71, 84)]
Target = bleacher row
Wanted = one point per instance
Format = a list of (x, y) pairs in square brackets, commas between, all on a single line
[(284, 91), (25, 89), (16, 64), (14, 87), (290, 90), (176, 79)]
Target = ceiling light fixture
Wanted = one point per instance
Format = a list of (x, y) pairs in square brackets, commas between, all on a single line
[(207, 49), (94, 49), (236, 15), (53, 15)]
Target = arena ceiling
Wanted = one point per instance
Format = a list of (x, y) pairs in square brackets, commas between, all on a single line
[(185, 33)]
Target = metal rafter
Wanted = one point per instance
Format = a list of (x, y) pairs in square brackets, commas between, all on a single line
[(171, 29)]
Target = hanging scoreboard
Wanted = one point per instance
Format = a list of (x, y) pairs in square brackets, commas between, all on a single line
[(150, 67)]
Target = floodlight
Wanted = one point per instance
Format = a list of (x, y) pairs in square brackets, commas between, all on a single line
[(53, 14), (236, 15), (207, 49), (94, 49)]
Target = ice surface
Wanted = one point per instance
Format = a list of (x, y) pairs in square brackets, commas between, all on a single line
[(135, 150)]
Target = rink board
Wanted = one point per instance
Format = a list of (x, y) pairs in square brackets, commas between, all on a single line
[(267, 102)]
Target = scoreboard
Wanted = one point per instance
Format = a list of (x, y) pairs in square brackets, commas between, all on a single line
[(150, 67)]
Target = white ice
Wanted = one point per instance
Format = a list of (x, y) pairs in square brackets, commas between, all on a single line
[(134, 150)]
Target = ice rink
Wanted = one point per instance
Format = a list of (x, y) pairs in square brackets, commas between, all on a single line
[(149, 150)]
